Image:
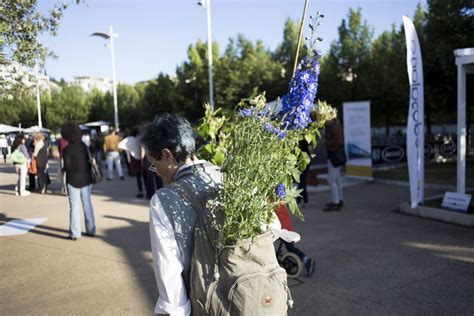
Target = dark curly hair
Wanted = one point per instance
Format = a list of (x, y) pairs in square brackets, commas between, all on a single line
[(172, 132), (71, 132), (17, 142)]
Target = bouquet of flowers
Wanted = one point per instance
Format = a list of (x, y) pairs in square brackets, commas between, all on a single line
[(257, 149)]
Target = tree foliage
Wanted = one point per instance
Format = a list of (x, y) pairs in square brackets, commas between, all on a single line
[(357, 67)]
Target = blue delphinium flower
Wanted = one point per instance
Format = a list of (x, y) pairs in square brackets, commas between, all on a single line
[(297, 104), (268, 127), (280, 191), (281, 134), (246, 112)]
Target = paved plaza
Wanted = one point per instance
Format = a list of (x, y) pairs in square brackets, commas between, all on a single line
[(370, 259)]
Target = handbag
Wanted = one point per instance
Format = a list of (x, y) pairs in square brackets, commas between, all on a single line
[(33, 168), (96, 173), (337, 157), (17, 157)]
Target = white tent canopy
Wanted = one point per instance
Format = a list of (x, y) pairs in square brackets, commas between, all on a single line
[(465, 65), (5, 129), (36, 128), (95, 124)]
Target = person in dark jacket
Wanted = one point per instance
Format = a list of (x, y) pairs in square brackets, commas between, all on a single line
[(334, 141), (78, 181), (303, 198)]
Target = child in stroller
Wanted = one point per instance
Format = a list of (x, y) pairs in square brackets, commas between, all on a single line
[(294, 259)]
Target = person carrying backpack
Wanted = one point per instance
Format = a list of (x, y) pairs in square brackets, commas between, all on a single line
[(194, 273), (169, 146)]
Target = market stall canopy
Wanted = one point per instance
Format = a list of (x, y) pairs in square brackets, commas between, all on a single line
[(96, 124), (5, 129), (34, 129)]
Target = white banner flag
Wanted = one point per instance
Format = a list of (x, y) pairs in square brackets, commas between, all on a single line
[(415, 121)]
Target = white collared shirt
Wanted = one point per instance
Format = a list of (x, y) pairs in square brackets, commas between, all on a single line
[(173, 298)]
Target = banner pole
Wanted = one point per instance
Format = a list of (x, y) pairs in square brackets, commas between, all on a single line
[(299, 38)]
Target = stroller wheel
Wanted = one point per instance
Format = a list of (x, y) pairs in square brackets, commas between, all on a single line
[(292, 264)]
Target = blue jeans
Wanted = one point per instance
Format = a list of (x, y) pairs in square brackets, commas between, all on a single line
[(113, 157), (75, 196)]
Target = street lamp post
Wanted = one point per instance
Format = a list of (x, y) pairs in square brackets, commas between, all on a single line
[(38, 102), (110, 37), (206, 4)]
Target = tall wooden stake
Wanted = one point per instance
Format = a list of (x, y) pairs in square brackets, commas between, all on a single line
[(299, 38)]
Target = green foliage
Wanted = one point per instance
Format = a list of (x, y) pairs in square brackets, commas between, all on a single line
[(389, 88), (344, 71), (357, 67), (160, 96), (67, 105), (129, 106), (254, 162), (18, 110), (20, 26), (447, 25)]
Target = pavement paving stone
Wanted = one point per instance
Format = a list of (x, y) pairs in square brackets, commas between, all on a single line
[(370, 259)]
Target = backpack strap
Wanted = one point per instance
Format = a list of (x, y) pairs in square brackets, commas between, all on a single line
[(186, 191)]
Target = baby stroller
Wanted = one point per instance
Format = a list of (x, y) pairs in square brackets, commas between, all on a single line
[(291, 259), (288, 260)]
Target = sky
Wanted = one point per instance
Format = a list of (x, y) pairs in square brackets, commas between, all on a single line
[(154, 35)]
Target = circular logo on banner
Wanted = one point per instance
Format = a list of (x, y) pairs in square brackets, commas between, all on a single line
[(393, 153), (447, 149)]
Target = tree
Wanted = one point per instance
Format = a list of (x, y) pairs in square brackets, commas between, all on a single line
[(21, 25), (129, 106), (244, 71), (449, 26), (160, 96), (389, 88), (66, 105), (192, 81), (285, 54), (99, 108), (344, 71)]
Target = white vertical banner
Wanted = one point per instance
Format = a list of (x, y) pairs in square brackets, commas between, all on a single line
[(357, 139), (415, 121)]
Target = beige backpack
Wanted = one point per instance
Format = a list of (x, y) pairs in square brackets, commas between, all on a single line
[(243, 279)]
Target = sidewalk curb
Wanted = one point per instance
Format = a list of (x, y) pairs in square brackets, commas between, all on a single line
[(429, 186), (438, 214)]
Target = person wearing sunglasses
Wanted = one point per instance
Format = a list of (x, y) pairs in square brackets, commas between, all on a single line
[(170, 149)]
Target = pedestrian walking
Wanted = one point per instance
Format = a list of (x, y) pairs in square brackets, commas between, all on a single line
[(303, 198), (79, 182), (169, 146), (336, 159), (32, 170), (97, 148), (62, 144), (112, 155), (153, 182), (41, 155), (4, 147), (86, 138), (133, 148), (20, 159)]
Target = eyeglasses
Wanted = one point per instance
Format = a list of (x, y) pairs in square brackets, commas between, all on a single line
[(152, 167)]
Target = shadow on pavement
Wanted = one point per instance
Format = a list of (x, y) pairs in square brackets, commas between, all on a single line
[(39, 229), (134, 241)]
